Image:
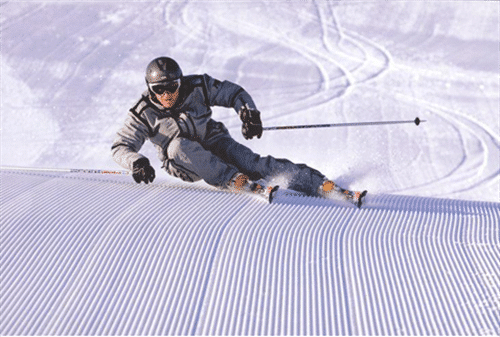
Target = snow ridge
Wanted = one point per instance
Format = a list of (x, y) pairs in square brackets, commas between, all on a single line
[(83, 254)]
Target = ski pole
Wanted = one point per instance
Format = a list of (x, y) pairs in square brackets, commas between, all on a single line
[(416, 121), (71, 170)]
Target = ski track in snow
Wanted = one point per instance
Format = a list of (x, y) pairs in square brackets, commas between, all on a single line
[(477, 167), (103, 256), (337, 63), (329, 60)]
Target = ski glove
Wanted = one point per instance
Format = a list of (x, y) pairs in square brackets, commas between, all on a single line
[(252, 125), (142, 171)]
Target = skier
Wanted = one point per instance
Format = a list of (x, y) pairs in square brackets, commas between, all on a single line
[(174, 114)]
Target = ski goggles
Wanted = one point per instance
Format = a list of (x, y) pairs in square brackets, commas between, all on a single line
[(163, 87)]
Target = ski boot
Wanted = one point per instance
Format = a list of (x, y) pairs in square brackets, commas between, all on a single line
[(239, 183)]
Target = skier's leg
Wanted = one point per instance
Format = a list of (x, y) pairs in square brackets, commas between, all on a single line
[(189, 161), (301, 177)]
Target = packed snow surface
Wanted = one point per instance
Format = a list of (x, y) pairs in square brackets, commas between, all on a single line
[(85, 253), (99, 255)]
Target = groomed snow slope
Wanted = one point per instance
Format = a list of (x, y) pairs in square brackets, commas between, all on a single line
[(94, 254)]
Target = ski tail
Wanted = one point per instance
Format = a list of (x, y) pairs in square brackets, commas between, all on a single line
[(354, 197), (267, 192), (273, 192), (360, 198)]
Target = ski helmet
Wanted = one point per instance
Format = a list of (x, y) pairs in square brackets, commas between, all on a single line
[(162, 69)]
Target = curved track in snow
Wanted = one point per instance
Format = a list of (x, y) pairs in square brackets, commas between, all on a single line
[(478, 144), (339, 58), (303, 62), (84, 254)]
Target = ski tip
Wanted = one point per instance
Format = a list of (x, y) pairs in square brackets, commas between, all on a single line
[(273, 192)]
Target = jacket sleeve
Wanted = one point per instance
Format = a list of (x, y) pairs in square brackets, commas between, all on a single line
[(227, 94), (128, 142)]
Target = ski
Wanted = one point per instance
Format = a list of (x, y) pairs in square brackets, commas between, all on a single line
[(273, 193), (359, 198), (354, 197), (267, 192)]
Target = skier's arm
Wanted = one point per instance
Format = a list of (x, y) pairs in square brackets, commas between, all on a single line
[(128, 142), (229, 94)]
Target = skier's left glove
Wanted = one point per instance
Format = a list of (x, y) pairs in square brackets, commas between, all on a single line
[(252, 125), (143, 171)]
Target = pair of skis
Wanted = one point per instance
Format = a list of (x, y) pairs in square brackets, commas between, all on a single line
[(269, 193)]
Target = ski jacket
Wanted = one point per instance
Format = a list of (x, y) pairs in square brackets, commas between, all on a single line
[(190, 117)]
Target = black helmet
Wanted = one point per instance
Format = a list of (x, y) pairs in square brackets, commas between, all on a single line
[(162, 69)]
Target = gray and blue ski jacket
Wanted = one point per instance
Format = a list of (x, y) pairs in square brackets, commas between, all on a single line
[(190, 117)]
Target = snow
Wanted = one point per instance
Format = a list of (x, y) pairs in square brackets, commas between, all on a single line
[(100, 255), (428, 241)]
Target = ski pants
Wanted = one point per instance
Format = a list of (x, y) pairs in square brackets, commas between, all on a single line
[(218, 162)]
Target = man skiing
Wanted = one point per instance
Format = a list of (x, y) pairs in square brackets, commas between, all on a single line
[(174, 114)]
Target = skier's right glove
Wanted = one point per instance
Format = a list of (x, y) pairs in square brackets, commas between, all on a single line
[(142, 171), (252, 125)]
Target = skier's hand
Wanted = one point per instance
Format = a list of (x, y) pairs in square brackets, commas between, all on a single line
[(142, 171), (252, 125)]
